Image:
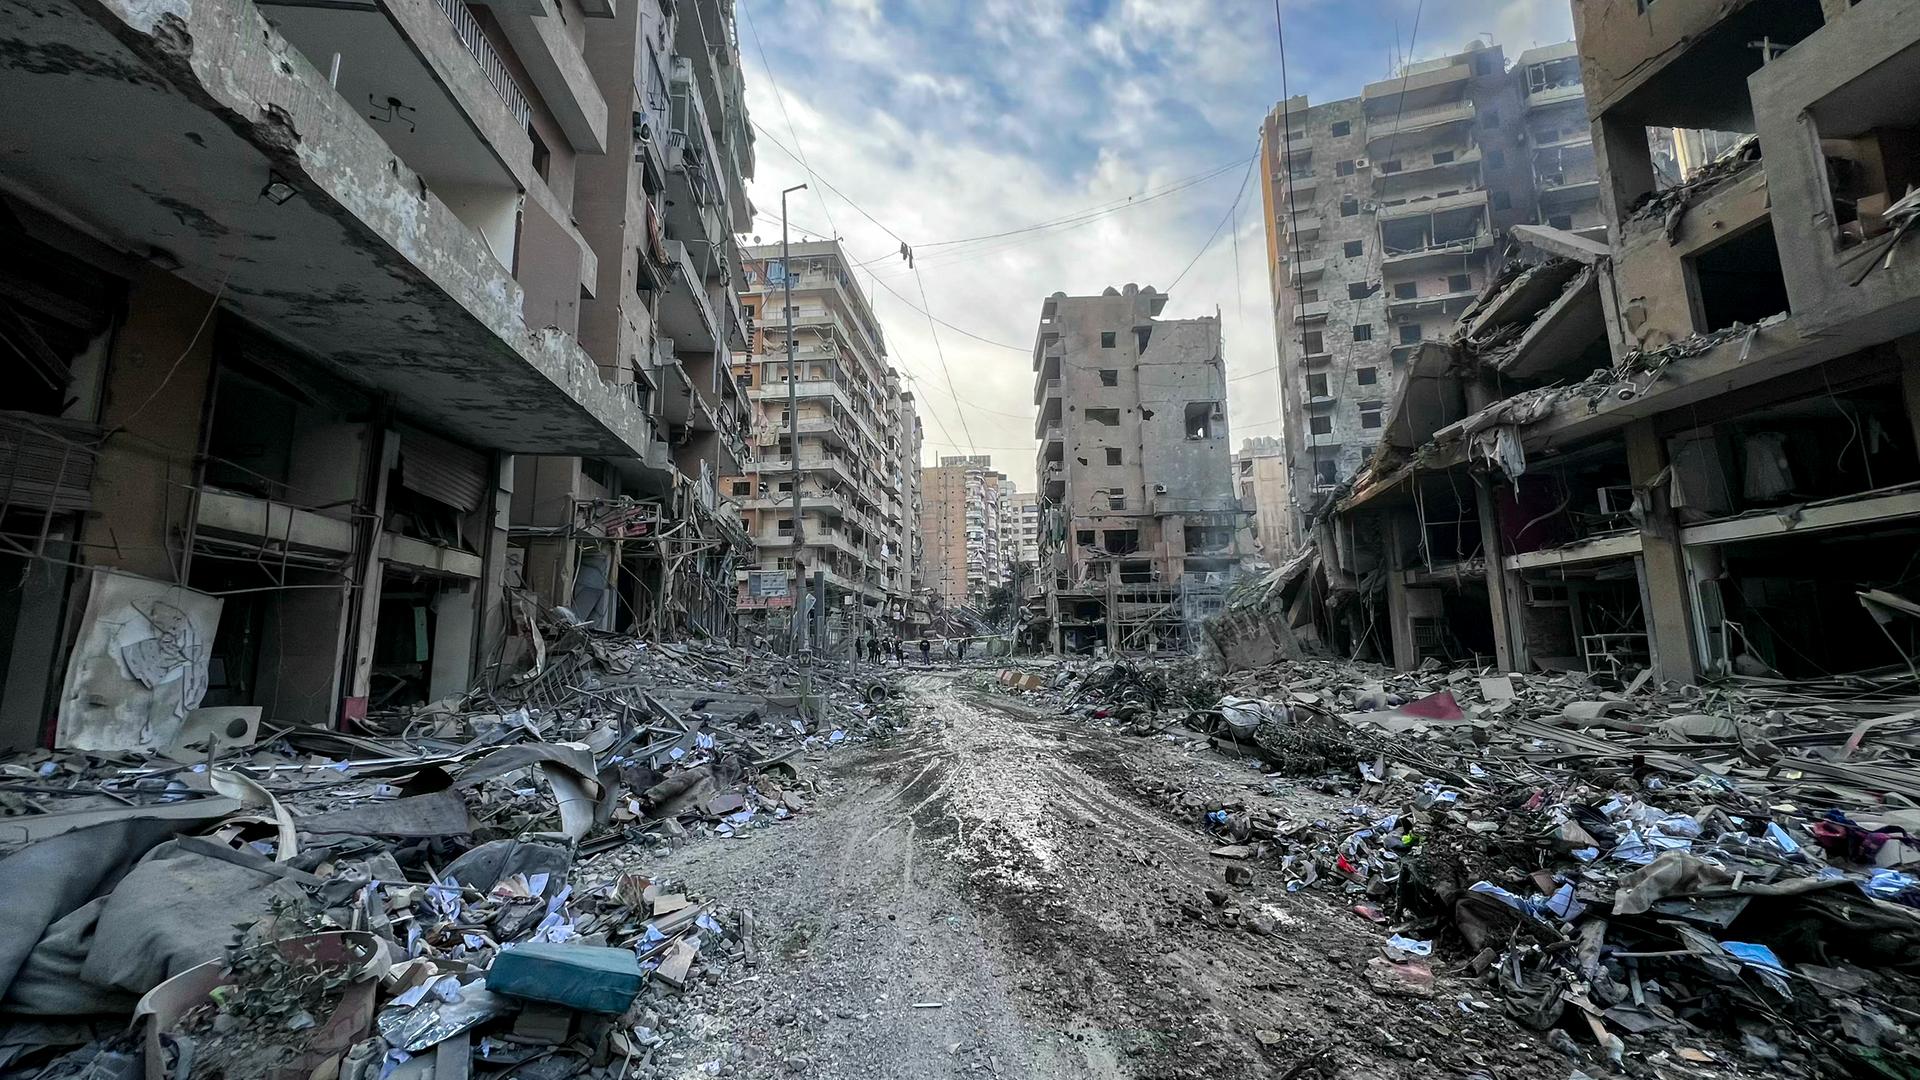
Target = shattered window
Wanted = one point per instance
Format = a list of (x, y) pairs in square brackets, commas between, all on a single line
[(1341, 127), (1370, 414)]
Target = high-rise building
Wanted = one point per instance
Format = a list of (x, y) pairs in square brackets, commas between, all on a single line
[(1687, 447), (652, 543), (1140, 526), (858, 444), (1025, 513), (374, 314), (965, 527), (1384, 213)]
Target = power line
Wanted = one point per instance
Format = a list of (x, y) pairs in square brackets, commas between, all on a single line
[(781, 100), (1021, 349), (1223, 220), (959, 407), (822, 181)]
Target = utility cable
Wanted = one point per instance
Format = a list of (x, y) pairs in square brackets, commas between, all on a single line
[(1238, 195), (781, 100)]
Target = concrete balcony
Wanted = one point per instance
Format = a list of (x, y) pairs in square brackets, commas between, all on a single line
[(1307, 270), (1048, 418), (557, 69), (1314, 312), (1851, 88), (1297, 190), (369, 268), (685, 315), (1437, 205), (696, 200), (1417, 89), (1415, 126), (1046, 390), (1422, 171), (1562, 191), (1301, 227), (1447, 301), (1556, 95), (1433, 256), (1053, 444)]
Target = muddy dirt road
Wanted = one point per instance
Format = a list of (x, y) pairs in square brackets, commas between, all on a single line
[(997, 893)]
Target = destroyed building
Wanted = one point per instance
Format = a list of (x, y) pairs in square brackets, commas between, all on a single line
[(1140, 528), (1260, 482), (1690, 447), (332, 324), (964, 528), (858, 459), (1382, 216)]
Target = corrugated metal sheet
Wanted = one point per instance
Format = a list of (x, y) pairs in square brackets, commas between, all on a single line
[(432, 466), (46, 463)]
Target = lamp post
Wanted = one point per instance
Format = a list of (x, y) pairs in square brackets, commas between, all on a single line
[(793, 428)]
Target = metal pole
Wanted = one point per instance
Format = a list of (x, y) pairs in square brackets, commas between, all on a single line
[(793, 427)]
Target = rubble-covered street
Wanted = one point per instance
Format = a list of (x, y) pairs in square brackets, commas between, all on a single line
[(664, 861)]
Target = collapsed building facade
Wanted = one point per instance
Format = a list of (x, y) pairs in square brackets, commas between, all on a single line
[(858, 455), (1383, 212), (336, 329), (1690, 447), (1140, 530)]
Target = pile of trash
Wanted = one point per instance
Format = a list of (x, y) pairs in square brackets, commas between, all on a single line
[(431, 895), (1656, 877)]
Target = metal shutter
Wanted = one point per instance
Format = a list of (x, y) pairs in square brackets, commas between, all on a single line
[(442, 470)]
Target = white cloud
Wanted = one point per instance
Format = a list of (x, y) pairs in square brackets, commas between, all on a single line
[(944, 120)]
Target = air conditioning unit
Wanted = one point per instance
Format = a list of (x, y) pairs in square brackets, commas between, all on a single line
[(1159, 489), (1362, 163)]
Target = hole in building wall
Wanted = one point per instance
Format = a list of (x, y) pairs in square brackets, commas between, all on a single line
[(1818, 447), (1870, 138), (1740, 281)]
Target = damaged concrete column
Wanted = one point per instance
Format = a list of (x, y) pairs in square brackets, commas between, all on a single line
[(383, 454), (493, 621), (1663, 561), (1509, 640), (155, 404), (1399, 612)]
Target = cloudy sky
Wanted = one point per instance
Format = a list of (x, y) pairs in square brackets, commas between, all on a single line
[(1130, 124)]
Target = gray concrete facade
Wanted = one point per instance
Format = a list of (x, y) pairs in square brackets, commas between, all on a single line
[(1385, 214)]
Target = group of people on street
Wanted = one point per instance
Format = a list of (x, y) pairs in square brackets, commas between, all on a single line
[(875, 647)]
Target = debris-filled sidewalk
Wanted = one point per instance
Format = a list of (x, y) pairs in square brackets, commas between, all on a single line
[(1663, 880), (428, 897)]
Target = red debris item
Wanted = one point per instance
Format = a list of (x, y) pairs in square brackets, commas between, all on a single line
[(1440, 706), (1369, 913), (1102, 714), (1345, 866)]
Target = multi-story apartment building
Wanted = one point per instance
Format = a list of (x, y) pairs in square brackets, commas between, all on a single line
[(858, 443), (651, 542), (1025, 515), (290, 344), (1140, 525), (1691, 446), (1384, 213), (965, 526)]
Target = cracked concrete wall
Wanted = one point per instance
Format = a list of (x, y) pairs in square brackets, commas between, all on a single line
[(363, 266)]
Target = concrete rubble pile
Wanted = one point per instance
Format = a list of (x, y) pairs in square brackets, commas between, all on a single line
[(456, 890), (1660, 879)]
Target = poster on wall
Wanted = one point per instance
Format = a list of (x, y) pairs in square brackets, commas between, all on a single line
[(140, 663)]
